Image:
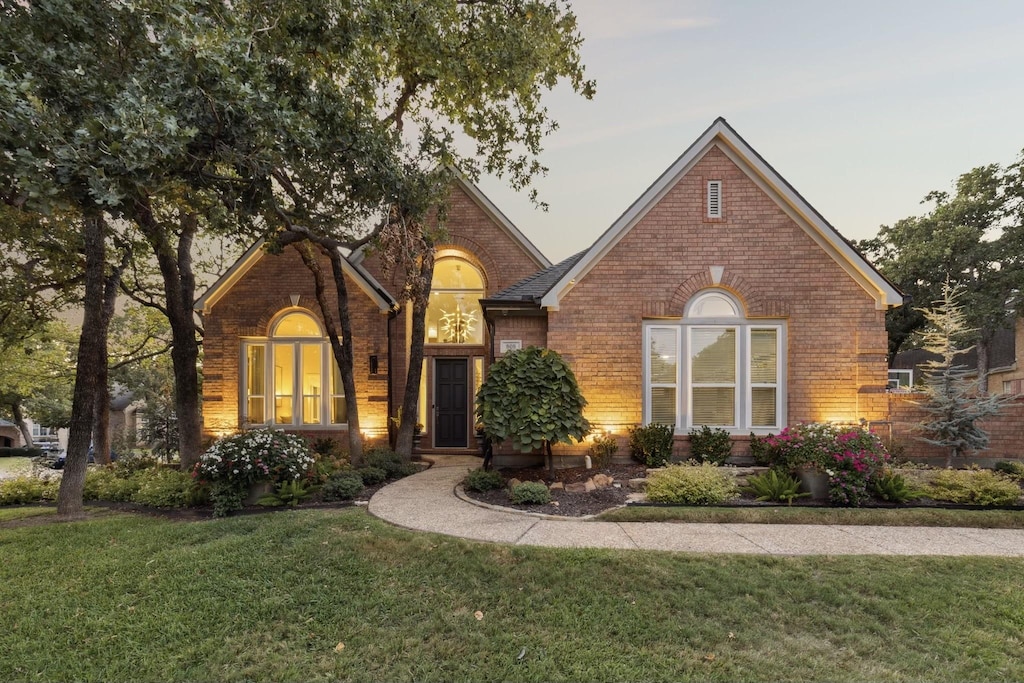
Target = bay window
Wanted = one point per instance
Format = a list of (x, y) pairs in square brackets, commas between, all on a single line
[(291, 378), (731, 374)]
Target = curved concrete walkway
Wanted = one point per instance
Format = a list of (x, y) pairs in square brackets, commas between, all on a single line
[(427, 502)]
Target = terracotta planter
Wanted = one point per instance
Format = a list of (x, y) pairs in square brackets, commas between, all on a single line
[(813, 481)]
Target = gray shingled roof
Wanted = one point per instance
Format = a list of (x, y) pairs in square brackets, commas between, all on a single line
[(533, 288)]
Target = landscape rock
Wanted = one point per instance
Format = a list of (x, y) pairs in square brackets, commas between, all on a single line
[(576, 487), (512, 483), (589, 485), (557, 486), (602, 480)]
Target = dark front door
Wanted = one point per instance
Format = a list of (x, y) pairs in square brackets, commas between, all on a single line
[(451, 391)]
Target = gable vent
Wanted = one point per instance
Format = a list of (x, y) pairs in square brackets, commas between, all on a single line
[(714, 199)]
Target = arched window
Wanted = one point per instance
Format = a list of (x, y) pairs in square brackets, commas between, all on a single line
[(291, 377), (715, 367), (453, 314)]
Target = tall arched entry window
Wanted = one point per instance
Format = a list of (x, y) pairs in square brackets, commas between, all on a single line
[(453, 364), (453, 314), (290, 378)]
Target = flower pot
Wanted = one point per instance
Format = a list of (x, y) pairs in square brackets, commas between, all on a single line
[(813, 481), (257, 490)]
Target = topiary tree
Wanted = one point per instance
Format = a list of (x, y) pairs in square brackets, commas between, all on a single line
[(530, 398)]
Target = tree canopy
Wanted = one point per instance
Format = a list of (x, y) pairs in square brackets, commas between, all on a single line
[(973, 239)]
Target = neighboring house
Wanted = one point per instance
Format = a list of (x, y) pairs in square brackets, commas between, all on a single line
[(10, 435), (1005, 375), (720, 297)]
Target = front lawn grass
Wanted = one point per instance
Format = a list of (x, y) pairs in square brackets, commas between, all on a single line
[(939, 517), (317, 595), (10, 514), (15, 466)]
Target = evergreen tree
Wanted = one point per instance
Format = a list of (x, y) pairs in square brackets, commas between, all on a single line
[(954, 400)]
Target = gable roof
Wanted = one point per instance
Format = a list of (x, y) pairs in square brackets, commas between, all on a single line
[(499, 218), (720, 134), (252, 256), (533, 288)]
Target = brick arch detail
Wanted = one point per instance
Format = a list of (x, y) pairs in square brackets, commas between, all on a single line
[(274, 309), (475, 253), (749, 298)]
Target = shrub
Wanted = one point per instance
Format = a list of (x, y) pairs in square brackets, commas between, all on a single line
[(893, 487), (531, 399), (131, 462), (604, 448), (233, 464), (103, 483), (775, 486), (704, 484), (651, 444), (326, 447), (343, 486), (760, 451), (483, 480), (710, 445), (291, 492), (1012, 468), (386, 459), (20, 490), (530, 493), (20, 452), (163, 488), (974, 487), (372, 476)]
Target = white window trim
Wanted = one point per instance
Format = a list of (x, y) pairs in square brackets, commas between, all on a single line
[(900, 371), (744, 387), (270, 390)]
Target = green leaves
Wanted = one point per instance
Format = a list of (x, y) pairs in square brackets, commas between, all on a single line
[(531, 397)]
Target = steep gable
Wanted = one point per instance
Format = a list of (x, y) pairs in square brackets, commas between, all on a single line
[(722, 137)]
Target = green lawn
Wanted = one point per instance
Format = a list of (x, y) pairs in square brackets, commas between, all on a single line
[(14, 467), (985, 519), (271, 597)]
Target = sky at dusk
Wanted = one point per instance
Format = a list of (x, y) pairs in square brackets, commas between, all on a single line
[(864, 107)]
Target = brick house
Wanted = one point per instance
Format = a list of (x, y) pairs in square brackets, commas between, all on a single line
[(719, 297)]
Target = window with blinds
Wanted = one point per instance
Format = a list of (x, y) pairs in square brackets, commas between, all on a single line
[(714, 367)]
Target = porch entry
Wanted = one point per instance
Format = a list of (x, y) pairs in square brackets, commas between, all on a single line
[(451, 404)]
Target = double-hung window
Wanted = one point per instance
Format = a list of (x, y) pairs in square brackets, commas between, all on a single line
[(731, 370), (291, 378)]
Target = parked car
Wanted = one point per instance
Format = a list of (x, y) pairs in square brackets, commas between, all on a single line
[(58, 464)]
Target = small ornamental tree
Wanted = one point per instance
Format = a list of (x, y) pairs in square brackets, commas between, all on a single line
[(530, 398), (954, 402)]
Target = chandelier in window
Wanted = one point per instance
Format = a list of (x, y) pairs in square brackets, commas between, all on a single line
[(456, 327)]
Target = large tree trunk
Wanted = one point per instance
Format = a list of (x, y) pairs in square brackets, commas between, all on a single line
[(19, 419), (179, 289), (90, 356), (341, 344), (410, 401), (101, 437), (343, 354)]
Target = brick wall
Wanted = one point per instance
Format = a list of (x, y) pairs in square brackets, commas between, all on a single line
[(836, 338), (252, 303), (248, 309), (1006, 431)]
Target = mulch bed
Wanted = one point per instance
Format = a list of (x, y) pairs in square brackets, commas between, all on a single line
[(563, 503)]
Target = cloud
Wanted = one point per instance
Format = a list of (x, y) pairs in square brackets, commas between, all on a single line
[(607, 20)]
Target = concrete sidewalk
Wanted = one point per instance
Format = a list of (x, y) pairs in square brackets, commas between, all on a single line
[(427, 502)]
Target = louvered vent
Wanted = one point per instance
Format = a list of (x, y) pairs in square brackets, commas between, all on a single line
[(714, 199)]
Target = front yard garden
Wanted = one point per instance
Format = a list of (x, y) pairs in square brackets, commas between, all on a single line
[(818, 473)]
